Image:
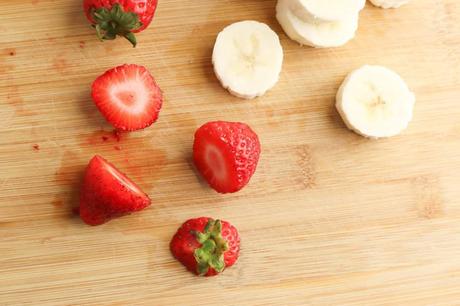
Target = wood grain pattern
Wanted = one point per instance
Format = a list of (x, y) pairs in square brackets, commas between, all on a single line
[(330, 218)]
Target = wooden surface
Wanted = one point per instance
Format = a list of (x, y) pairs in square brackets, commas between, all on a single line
[(329, 218)]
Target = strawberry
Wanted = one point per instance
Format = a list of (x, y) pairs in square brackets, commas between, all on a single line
[(128, 97), (119, 17), (226, 154), (206, 246), (107, 193)]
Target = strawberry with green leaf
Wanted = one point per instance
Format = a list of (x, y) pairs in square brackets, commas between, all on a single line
[(206, 246), (112, 18)]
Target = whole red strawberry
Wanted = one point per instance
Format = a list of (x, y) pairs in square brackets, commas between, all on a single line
[(128, 97), (226, 154), (119, 17), (206, 246), (107, 193)]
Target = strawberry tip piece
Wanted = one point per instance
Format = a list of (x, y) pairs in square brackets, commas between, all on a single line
[(106, 193)]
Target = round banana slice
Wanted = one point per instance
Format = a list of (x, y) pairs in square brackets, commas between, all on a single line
[(375, 102), (326, 10), (316, 34), (247, 58), (389, 3)]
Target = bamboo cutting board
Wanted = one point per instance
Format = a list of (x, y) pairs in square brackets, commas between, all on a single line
[(329, 218)]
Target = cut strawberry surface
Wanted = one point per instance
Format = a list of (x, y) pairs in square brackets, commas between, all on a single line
[(214, 164), (226, 154), (107, 193), (128, 97)]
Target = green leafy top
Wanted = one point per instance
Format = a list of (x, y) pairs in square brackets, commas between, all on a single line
[(213, 247), (113, 22)]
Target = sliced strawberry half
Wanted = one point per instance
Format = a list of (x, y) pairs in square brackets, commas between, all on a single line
[(128, 97), (107, 193), (226, 154)]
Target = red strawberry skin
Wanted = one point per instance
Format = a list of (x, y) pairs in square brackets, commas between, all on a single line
[(145, 9), (184, 243), (106, 193), (128, 97), (226, 154)]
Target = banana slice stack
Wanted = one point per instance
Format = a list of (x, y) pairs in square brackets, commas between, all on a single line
[(319, 23)]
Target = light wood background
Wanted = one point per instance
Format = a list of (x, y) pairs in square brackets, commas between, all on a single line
[(329, 218)]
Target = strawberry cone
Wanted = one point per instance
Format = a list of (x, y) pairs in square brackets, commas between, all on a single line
[(226, 154), (106, 193)]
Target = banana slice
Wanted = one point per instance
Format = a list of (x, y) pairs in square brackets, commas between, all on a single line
[(247, 58), (375, 102), (326, 10), (389, 3), (315, 33)]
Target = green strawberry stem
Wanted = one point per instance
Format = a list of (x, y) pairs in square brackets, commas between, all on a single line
[(213, 247), (113, 22)]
